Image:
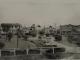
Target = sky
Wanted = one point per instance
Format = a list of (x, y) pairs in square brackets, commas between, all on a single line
[(43, 12)]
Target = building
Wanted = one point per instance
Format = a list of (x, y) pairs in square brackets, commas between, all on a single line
[(70, 32), (50, 30), (12, 27), (25, 30), (70, 29), (66, 29)]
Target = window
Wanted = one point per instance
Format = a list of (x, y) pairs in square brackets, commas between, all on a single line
[(20, 52), (34, 51), (7, 53)]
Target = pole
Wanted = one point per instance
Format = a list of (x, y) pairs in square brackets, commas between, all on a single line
[(17, 39), (17, 36)]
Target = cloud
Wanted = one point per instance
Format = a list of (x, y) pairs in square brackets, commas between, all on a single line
[(41, 11)]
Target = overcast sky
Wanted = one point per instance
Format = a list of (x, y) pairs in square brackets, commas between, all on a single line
[(43, 12)]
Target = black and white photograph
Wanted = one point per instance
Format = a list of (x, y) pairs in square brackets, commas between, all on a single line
[(39, 29)]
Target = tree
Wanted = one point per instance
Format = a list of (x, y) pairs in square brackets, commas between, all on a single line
[(1, 45), (38, 26)]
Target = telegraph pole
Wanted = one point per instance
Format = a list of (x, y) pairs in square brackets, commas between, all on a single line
[(17, 36)]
